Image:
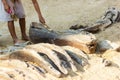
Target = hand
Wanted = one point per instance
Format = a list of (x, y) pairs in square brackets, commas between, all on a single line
[(41, 19), (7, 8)]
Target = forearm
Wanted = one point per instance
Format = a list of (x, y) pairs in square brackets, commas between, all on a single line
[(4, 2), (6, 6), (37, 8)]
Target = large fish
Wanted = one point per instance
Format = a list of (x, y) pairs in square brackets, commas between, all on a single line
[(63, 52), (14, 69), (51, 54), (32, 56), (76, 54), (79, 39)]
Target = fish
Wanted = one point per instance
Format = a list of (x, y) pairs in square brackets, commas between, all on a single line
[(33, 56), (51, 54), (61, 51), (79, 39), (76, 54)]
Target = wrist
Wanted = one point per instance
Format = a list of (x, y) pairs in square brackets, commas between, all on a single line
[(41, 18)]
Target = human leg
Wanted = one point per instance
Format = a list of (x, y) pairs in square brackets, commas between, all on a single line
[(19, 11), (11, 28), (23, 28)]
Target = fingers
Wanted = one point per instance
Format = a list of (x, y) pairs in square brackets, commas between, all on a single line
[(7, 8), (42, 20)]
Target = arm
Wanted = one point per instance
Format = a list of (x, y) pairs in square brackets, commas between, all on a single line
[(6, 6), (35, 3)]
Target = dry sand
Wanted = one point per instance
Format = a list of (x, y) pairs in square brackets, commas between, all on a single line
[(60, 15)]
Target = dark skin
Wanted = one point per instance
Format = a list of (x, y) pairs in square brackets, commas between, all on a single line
[(37, 8), (22, 22)]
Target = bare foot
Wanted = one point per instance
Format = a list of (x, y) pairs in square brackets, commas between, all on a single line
[(25, 38), (18, 42)]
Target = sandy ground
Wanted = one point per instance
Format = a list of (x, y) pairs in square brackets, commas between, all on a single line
[(60, 15)]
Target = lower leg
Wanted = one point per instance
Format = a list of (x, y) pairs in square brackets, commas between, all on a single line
[(12, 31), (23, 28)]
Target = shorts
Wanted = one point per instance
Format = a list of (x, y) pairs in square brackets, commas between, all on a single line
[(16, 8)]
